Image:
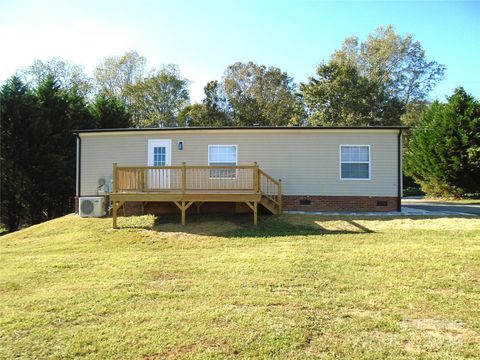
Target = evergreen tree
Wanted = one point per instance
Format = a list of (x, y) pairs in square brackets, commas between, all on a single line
[(444, 149), (109, 112), (62, 111), (38, 150), (21, 134)]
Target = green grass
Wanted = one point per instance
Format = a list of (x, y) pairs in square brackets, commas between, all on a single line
[(298, 286), (463, 201)]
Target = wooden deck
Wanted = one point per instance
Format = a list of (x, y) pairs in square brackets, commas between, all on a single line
[(187, 185)]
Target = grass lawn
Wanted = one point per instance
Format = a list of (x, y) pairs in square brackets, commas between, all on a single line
[(298, 286), (455, 201)]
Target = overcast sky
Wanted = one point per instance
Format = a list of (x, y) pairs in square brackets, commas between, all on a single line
[(204, 37)]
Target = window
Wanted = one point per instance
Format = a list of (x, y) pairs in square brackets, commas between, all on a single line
[(355, 162), (159, 156), (222, 155)]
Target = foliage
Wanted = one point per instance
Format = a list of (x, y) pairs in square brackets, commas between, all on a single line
[(69, 76), (19, 151), (158, 99), (260, 95), (210, 113), (38, 150), (382, 81), (297, 287), (340, 95), (413, 112), (116, 73), (109, 112), (397, 62), (444, 149)]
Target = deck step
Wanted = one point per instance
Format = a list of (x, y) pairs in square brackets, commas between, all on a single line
[(269, 205)]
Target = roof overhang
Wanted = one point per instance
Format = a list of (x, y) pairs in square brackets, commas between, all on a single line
[(241, 128)]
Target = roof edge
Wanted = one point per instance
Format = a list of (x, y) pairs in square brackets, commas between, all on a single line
[(243, 128)]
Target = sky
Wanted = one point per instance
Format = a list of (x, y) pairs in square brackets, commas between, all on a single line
[(203, 37)]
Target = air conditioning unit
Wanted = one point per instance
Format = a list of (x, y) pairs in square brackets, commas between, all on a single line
[(92, 206)]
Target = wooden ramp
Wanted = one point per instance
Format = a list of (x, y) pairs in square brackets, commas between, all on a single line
[(187, 185)]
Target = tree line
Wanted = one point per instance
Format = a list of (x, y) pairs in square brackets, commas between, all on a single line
[(383, 80)]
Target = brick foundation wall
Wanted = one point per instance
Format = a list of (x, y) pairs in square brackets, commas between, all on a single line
[(290, 202), (339, 203)]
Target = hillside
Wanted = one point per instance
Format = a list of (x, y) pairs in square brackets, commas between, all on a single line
[(295, 287)]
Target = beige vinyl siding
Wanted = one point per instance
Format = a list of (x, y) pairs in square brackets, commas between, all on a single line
[(307, 161)]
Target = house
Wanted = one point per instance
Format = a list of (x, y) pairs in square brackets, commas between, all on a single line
[(242, 168)]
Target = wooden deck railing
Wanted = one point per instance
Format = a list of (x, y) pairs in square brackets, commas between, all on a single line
[(188, 178)]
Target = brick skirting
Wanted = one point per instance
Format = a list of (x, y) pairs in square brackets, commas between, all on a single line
[(340, 203), (290, 202)]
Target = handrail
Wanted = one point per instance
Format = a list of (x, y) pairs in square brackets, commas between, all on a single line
[(185, 178), (271, 188)]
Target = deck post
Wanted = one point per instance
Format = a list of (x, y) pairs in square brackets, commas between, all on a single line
[(184, 177), (114, 215), (279, 196), (143, 180), (183, 213), (255, 212), (115, 178), (256, 178)]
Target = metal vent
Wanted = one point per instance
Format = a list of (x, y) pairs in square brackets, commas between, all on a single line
[(382, 203), (305, 202), (87, 206)]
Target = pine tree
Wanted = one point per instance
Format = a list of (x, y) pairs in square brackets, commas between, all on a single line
[(444, 149)]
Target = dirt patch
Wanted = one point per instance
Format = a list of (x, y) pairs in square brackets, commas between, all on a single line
[(173, 353), (441, 329)]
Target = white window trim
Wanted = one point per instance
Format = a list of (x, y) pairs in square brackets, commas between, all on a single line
[(236, 160), (168, 155), (369, 162)]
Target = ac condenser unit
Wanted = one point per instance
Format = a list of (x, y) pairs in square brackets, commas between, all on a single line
[(93, 206)]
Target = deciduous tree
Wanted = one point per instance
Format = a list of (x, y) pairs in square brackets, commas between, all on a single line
[(399, 63), (158, 99), (260, 95), (117, 73), (69, 76), (340, 95)]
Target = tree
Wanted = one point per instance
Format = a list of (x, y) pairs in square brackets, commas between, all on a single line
[(61, 112), (444, 149), (397, 62), (38, 150), (210, 113), (20, 136), (115, 74), (69, 76), (109, 112), (340, 95), (158, 99), (382, 81), (260, 95)]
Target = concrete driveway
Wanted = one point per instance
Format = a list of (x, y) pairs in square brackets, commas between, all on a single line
[(450, 207)]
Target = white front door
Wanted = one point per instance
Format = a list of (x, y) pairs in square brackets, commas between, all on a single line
[(159, 154)]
